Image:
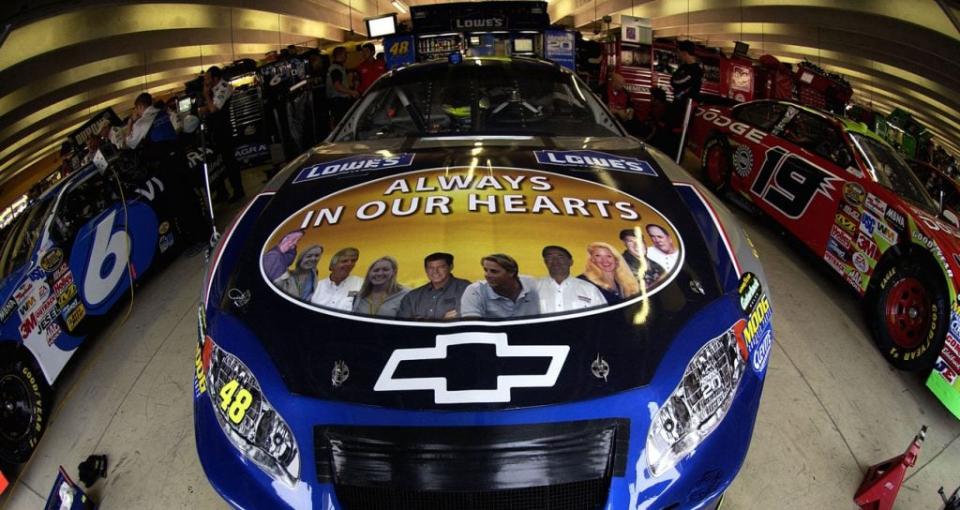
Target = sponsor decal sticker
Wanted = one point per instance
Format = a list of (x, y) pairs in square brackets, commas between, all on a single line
[(920, 238), (73, 314), (853, 277), (7, 309), (757, 324), (835, 262), (848, 225), (834, 248), (841, 237), (51, 259), (595, 160), (557, 354), (750, 292), (945, 371), (850, 211), (875, 204), (860, 262), (853, 192), (868, 223), (886, 233), (742, 161), (951, 353), (62, 270), (867, 246), (68, 294), (896, 219), (744, 130), (761, 354), (353, 165)]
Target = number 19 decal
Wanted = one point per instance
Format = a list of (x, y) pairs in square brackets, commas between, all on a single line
[(789, 183)]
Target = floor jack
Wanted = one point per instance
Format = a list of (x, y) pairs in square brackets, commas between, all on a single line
[(882, 482)]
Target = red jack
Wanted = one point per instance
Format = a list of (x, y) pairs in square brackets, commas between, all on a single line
[(880, 486)]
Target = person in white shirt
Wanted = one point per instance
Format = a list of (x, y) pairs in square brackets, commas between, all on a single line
[(663, 251), (559, 292), (338, 290)]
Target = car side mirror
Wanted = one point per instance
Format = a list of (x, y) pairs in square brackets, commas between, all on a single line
[(951, 218)]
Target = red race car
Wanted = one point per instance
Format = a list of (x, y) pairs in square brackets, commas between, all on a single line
[(853, 200)]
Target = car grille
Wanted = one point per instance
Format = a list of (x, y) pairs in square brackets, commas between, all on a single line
[(558, 466)]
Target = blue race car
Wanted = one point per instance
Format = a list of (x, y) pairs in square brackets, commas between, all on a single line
[(480, 293), (64, 262)]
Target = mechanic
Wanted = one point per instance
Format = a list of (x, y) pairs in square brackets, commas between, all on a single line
[(380, 293), (663, 251), (339, 94), (619, 102), (688, 78), (607, 270), (339, 290), (559, 292), (370, 69), (502, 293), (636, 257), (216, 93), (301, 281), (440, 298), (278, 259)]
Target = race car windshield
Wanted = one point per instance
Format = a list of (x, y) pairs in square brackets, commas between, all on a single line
[(478, 97), (890, 170), (20, 238)]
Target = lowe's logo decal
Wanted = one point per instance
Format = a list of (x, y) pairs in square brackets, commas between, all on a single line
[(595, 160), (388, 380), (353, 165)]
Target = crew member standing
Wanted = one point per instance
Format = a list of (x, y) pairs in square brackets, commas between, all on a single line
[(370, 69), (217, 92), (686, 82), (339, 94)]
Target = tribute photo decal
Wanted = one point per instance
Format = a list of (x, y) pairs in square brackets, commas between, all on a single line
[(460, 243)]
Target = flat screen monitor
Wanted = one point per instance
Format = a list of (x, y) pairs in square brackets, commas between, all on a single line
[(740, 48), (184, 104), (524, 45), (384, 25)]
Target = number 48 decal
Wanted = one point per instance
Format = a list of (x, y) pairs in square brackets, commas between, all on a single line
[(235, 400), (789, 183)]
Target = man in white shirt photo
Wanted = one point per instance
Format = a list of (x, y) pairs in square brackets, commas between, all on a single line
[(338, 290), (561, 293), (663, 251)]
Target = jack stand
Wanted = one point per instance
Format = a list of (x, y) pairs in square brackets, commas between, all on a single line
[(882, 482), (953, 503)]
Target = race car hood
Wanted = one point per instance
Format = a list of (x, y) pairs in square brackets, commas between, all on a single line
[(469, 199)]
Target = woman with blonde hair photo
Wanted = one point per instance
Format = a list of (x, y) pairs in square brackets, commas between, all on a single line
[(607, 269), (301, 281), (380, 293)]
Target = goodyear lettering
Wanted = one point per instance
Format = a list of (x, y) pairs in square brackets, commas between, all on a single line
[(595, 159), (353, 165)]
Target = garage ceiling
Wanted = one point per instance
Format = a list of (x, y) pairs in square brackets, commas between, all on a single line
[(63, 61)]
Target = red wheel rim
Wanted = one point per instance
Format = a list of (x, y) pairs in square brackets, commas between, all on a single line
[(716, 165), (908, 313)]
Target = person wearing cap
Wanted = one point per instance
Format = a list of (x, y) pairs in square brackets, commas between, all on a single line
[(439, 298), (502, 294), (688, 78), (561, 293)]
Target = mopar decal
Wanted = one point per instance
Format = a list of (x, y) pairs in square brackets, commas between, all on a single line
[(789, 183), (556, 354), (594, 160), (353, 165)]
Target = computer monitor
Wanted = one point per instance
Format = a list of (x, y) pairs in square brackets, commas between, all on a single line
[(740, 48), (384, 25), (184, 104)]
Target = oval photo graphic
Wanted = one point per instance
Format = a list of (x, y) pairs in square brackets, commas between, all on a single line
[(466, 244)]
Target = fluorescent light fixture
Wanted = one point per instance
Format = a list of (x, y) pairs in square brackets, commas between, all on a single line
[(400, 6)]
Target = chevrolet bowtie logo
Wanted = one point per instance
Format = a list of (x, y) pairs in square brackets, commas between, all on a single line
[(505, 383)]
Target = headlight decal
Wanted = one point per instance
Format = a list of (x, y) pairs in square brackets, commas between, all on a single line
[(248, 420), (700, 401)]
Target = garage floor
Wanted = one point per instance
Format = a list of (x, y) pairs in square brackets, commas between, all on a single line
[(831, 405)]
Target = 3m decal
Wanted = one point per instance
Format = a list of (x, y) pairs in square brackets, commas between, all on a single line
[(742, 160), (875, 205), (846, 224), (505, 383), (853, 192), (750, 292), (595, 160), (353, 165), (107, 263), (867, 246), (51, 259), (31, 323), (789, 183)]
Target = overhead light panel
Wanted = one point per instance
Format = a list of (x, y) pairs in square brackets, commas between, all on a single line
[(400, 6)]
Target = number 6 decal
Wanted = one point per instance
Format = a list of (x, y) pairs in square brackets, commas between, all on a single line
[(108, 261)]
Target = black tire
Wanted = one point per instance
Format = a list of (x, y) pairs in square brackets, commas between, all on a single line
[(909, 313), (24, 407), (716, 165)]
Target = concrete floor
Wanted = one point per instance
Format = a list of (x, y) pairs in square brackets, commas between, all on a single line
[(831, 405)]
